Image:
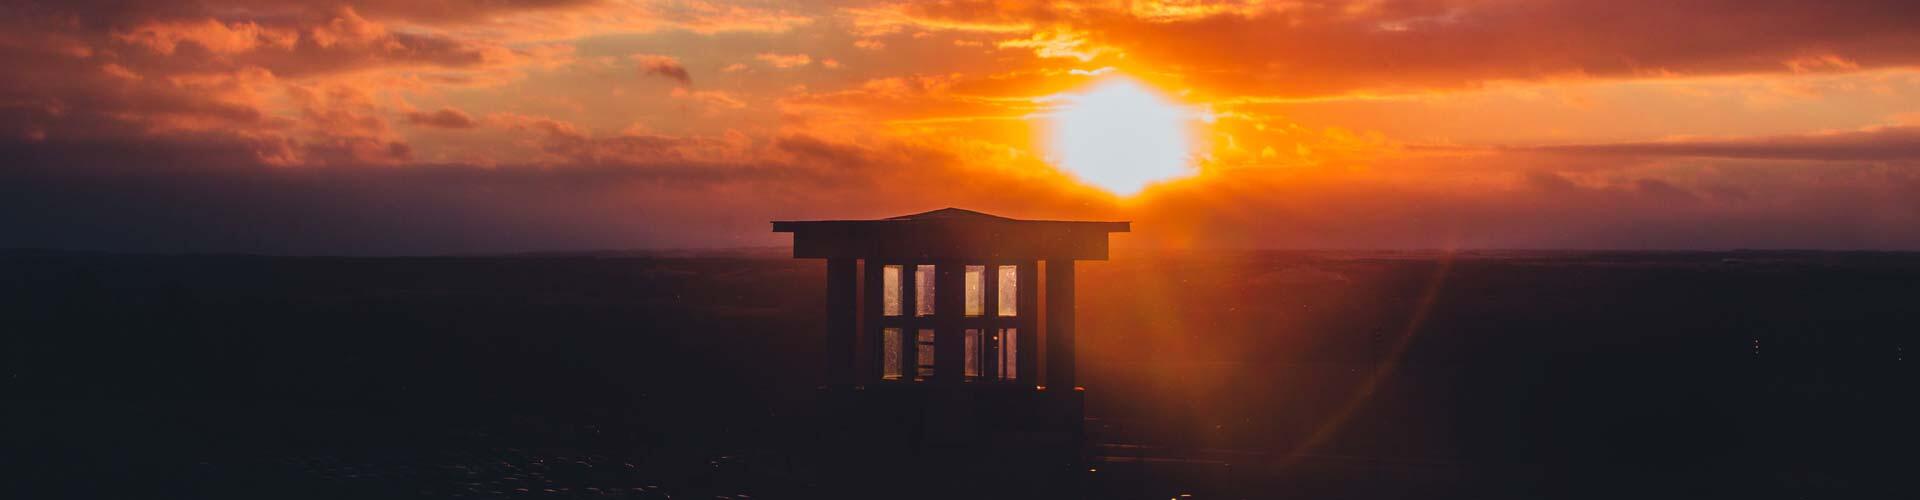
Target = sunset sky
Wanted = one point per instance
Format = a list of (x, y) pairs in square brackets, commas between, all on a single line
[(473, 126)]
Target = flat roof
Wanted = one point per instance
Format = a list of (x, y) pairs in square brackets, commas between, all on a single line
[(951, 234)]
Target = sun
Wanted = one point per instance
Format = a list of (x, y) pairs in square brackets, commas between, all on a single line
[(1120, 135)]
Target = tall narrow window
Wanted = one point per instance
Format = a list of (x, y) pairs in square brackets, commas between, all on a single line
[(1007, 353), (923, 354), (1009, 290), (890, 286), (890, 359), (973, 353), (976, 290), (923, 290)]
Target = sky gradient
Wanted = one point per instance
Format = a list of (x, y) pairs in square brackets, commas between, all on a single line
[(477, 126)]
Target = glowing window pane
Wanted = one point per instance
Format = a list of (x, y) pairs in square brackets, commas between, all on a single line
[(923, 354), (976, 290), (1009, 290), (890, 290), (973, 353), (1007, 352), (923, 290), (890, 361)]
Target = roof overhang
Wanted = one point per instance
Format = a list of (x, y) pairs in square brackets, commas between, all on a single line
[(951, 234)]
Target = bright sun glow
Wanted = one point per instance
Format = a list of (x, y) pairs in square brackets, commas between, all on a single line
[(1121, 136)]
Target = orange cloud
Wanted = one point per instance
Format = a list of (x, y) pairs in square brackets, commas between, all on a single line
[(214, 36), (784, 61), (344, 128), (712, 99), (1058, 43), (966, 16)]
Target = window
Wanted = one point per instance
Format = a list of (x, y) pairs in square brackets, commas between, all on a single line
[(1007, 354), (923, 290), (1009, 291), (890, 286), (973, 353), (923, 354), (976, 290), (890, 359)]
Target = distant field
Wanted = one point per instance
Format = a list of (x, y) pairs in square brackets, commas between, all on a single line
[(1772, 373)]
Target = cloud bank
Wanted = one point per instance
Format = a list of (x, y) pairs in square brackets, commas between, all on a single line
[(469, 126)]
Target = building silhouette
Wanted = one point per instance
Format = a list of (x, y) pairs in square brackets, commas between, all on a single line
[(950, 334)]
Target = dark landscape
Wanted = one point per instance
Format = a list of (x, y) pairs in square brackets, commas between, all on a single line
[(1487, 374)]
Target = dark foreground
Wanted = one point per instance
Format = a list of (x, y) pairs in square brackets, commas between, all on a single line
[(1261, 375)]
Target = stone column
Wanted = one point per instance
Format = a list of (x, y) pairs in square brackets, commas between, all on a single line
[(1060, 368), (949, 307), (842, 320), (1027, 357), (871, 303)]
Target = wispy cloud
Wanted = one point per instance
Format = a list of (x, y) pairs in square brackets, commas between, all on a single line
[(784, 60)]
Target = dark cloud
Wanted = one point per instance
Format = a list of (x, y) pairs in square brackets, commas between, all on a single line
[(567, 143), (95, 13), (1836, 207), (1663, 191), (210, 192), (422, 209), (170, 194), (664, 67), (1900, 143), (444, 118), (452, 11)]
